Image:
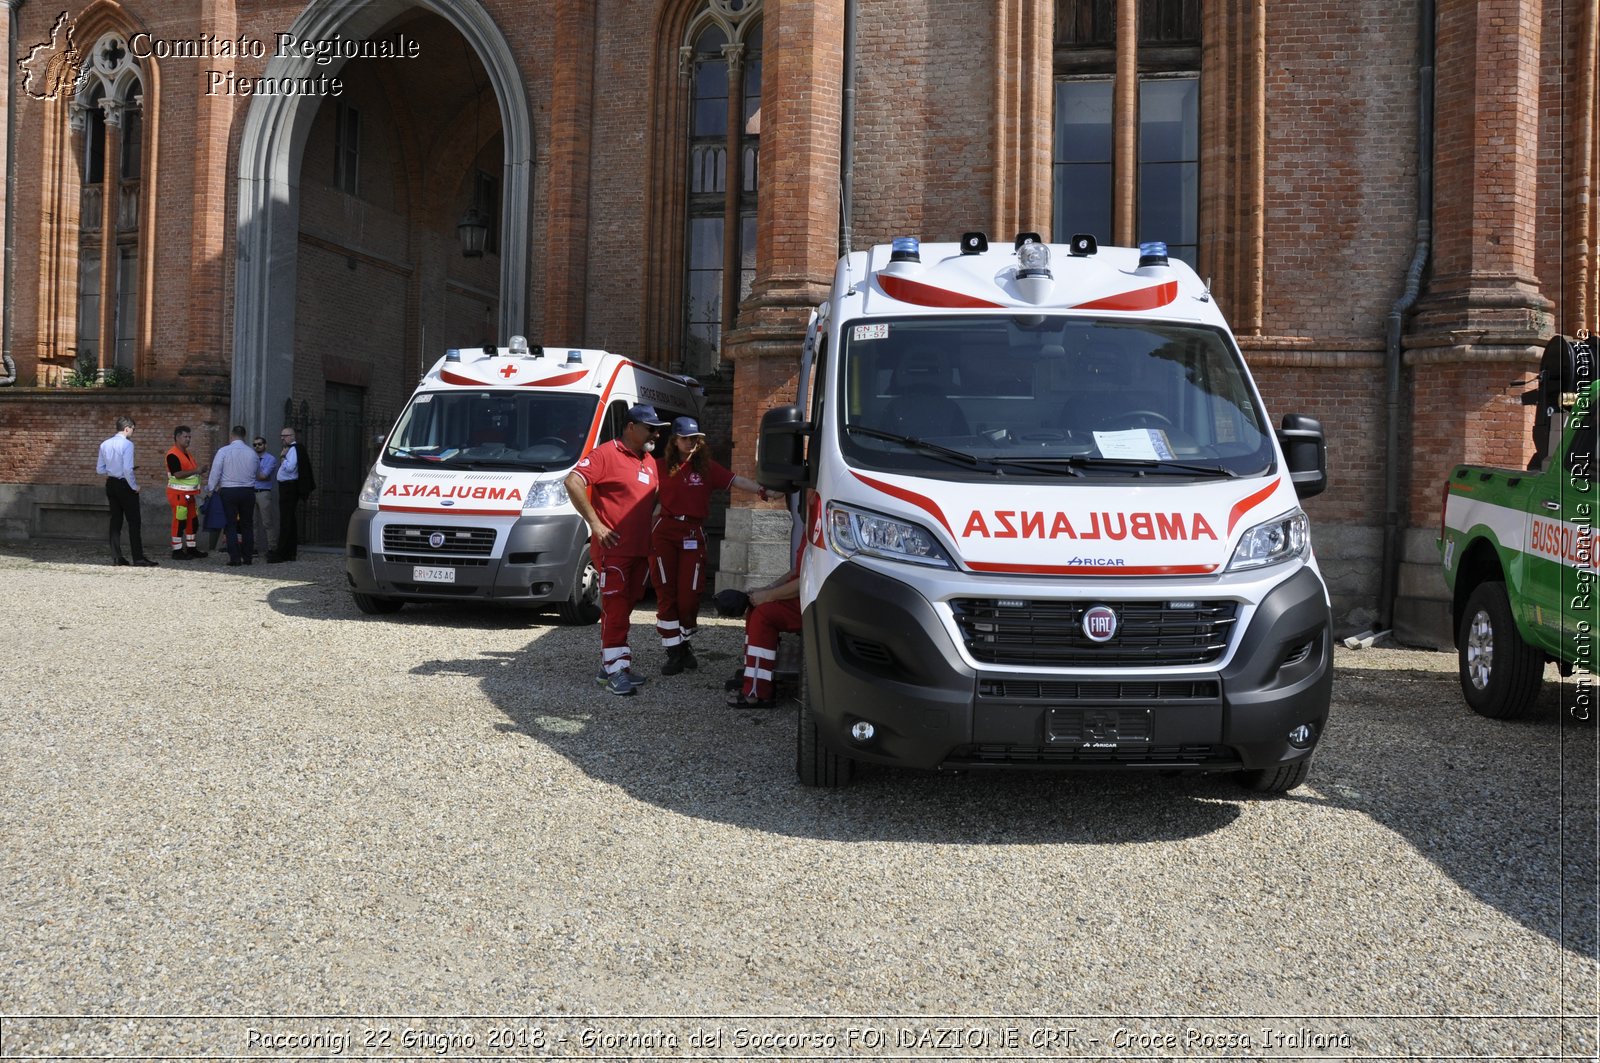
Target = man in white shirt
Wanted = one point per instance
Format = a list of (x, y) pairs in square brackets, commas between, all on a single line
[(290, 458), (115, 463), (233, 479)]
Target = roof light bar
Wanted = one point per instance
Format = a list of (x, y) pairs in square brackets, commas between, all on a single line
[(906, 249), (1153, 253)]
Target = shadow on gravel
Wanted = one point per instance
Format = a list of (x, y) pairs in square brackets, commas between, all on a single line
[(677, 746), (1506, 808), (1482, 799)]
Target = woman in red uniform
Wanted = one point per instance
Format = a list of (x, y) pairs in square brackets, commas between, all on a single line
[(678, 542)]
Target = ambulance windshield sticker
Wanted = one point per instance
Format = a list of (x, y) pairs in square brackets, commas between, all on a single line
[(1145, 444), (879, 331)]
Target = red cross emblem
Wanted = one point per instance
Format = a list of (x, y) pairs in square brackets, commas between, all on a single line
[(509, 371)]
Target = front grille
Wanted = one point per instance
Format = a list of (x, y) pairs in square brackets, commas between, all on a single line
[(1050, 633), (1100, 690), (1023, 755), (411, 541)]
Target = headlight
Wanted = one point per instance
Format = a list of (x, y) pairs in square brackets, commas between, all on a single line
[(854, 531), (372, 489), (546, 494), (1280, 539)]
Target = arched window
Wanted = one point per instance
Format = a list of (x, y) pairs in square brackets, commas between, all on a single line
[(1161, 189), (722, 59), (108, 113)]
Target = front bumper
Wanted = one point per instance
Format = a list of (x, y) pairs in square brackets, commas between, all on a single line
[(532, 560), (877, 651)]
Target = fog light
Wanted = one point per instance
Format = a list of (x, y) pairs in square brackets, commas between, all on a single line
[(862, 731), (1301, 736)]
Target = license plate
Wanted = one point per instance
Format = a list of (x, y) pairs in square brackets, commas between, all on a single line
[(1100, 728), (433, 575)]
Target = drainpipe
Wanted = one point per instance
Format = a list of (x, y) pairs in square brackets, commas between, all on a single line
[(1388, 588), (847, 130), (7, 298)]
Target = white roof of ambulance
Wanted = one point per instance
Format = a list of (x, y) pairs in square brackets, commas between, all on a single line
[(1109, 282)]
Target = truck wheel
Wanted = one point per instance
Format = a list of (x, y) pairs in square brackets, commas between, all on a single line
[(1500, 673), (815, 763), (375, 606), (1276, 780), (583, 604)]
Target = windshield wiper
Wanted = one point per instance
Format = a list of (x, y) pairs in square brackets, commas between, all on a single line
[(948, 453), (1144, 465), (1047, 465)]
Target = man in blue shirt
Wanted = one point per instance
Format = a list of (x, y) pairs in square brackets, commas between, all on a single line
[(115, 463), (233, 478), (266, 497)]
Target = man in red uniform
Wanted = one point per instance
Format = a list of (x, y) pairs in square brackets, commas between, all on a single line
[(773, 610), (613, 488), (678, 542), (183, 495)]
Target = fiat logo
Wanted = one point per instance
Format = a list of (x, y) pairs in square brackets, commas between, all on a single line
[(1100, 623), (436, 540)]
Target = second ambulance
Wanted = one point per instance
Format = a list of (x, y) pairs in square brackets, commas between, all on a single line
[(1047, 523), (467, 501)]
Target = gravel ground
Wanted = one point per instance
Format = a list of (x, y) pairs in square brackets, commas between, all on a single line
[(228, 794)]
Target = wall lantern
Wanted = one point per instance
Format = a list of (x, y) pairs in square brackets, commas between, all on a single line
[(473, 228)]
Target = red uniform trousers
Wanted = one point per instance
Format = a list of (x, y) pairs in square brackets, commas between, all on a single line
[(679, 573), (622, 580), (762, 627)]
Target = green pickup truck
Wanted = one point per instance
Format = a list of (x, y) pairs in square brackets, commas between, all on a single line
[(1519, 549)]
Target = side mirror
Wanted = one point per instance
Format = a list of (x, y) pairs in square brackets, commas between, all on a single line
[(1305, 453), (781, 449)]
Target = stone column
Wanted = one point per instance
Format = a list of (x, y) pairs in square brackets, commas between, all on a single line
[(796, 249), (566, 237), (1483, 323)]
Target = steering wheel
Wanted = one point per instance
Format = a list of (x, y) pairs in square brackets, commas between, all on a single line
[(1141, 416), (550, 441)]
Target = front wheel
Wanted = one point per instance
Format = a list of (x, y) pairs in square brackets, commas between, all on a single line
[(583, 604), (815, 763), (1500, 673), (1276, 780), (372, 605)]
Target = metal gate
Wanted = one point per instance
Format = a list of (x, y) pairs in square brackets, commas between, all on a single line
[(342, 445)]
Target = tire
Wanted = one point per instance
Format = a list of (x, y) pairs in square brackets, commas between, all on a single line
[(815, 763), (375, 606), (1276, 780), (583, 604), (1500, 673)]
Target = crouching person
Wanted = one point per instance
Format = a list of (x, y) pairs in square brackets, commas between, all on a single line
[(773, 610)]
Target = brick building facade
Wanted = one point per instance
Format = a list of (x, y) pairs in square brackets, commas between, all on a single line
[(1393, 204)]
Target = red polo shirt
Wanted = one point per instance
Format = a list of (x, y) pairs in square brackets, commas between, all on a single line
[(622, 489), (687, 493)]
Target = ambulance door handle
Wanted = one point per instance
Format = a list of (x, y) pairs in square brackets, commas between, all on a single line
[(1552, 505)]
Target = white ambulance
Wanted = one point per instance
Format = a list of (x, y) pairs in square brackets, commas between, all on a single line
[(466, 502), (1047, 522)]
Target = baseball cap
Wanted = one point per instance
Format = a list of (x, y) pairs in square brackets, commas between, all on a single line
[(645, 414), (686, 426)]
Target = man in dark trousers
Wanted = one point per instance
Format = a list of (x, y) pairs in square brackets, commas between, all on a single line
[(115, 463), (294, 465)]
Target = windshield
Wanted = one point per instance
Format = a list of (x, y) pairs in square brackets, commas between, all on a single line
[(485, 428), (1047, 396)]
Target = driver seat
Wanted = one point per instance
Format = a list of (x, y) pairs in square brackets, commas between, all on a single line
[(921, 407)]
